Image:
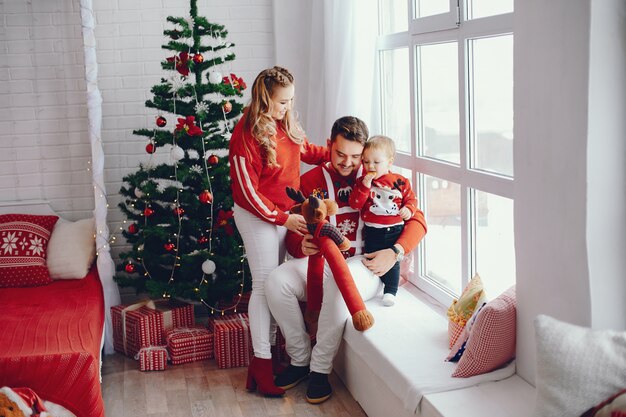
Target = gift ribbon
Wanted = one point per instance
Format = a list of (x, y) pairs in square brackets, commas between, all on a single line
[(188, 330), (133, 307), (151, 349), (150, 363)]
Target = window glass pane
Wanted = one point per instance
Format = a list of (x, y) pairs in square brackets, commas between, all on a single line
[(394, 16), (495, 251), (483, 8), (438, 101), (396, 111), (442, 260), (424, 8), (491, 104)]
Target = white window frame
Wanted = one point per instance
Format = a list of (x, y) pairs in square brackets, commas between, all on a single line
[(448, 27)]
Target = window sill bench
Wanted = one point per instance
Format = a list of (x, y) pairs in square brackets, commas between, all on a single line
[(397, 368)]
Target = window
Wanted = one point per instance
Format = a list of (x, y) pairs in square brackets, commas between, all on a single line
[(446, 88)]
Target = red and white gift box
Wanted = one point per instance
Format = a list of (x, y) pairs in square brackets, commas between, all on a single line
[(232, 341), (142, 324), (189, 344), (152, 358)]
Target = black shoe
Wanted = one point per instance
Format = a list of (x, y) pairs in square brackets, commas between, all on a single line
[(291, 376), (319, 388)]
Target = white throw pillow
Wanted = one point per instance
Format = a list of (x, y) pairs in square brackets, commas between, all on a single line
[(72, 249), (577, 367)]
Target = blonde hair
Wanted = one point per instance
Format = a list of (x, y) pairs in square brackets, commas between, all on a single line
[(381, 142), (258, 117)]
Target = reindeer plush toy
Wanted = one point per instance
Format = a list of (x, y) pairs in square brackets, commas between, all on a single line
[(330, 242)]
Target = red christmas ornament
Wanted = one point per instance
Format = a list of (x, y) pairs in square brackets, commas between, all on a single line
[(132, 229), (228, 106), (181, 63), (179, 211), (188, 125), (161, 121), (150, 148), (148, 212), (198, 58), (169, 246), (213, 160), (237, 82), (130, 268), (223, 221), (206, 197), (202, 240)]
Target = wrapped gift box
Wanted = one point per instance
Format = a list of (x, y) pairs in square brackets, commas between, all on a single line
[(189, 344), (232, 341), (143, 324), (152, 358), (136, 327)]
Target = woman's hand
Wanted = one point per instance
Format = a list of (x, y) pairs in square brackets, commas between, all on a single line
[(296, 224), (308, 247), (380, 262)]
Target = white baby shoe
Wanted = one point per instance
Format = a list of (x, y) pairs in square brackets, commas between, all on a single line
[(389, 299)]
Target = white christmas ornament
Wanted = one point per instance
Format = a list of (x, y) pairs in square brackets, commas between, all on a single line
[(177, 81), (215, 77), (177, 153), (208, 267)]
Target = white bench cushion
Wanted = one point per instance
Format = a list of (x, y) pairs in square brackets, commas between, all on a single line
[(406, 349)]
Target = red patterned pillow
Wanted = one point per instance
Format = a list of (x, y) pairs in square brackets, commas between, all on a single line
[(491, 343), (23, 243)]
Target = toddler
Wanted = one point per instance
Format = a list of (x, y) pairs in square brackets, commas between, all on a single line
[(385, 201)]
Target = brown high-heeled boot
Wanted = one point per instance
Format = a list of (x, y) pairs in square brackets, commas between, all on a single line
[(260, 377)]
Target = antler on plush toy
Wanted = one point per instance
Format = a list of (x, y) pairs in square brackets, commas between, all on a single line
[(330, 242)]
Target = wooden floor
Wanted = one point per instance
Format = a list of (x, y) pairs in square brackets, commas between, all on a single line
[(200, 389)]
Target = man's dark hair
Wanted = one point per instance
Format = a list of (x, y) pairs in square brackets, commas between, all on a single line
[(351, 128)]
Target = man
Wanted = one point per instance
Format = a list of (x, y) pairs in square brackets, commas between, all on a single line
[(286, 285)]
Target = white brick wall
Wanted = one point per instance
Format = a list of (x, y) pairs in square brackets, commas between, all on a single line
[(44, 147), (129, 36)]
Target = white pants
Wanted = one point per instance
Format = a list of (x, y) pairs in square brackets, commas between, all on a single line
[(265, 250), (286, 285)]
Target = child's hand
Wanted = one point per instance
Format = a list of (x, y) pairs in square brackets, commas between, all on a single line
[(367, 179), (405, 213)]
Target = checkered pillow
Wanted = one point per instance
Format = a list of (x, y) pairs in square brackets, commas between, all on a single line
[(23, 243), (491, 343)]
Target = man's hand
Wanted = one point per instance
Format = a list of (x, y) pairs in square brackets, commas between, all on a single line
[(380, 262), (308, 247)]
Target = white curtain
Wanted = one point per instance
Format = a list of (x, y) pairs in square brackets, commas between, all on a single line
[(105, 264), (330, 47)]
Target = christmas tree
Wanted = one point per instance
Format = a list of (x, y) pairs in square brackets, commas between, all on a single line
[(180, 219)]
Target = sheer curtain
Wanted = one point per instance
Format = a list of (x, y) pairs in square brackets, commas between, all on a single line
[(106, 268), (329, 45)]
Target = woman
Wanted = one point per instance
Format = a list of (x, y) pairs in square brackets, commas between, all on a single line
[(265, 151)]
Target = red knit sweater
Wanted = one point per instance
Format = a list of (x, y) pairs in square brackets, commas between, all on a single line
[(381, 203), (259, 188), (324, 182)]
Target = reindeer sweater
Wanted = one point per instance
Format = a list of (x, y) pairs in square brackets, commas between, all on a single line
[(380, 205), (324, 182), (259, 188)]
